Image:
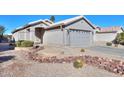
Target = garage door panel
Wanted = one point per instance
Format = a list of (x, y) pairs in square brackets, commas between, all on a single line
[(80, 39)]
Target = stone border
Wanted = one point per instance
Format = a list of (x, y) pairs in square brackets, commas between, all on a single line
[(111, 65)]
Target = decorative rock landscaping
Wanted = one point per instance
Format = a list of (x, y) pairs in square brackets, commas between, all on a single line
[(111, 65)]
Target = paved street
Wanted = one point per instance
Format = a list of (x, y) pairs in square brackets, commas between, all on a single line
[(109, 50)]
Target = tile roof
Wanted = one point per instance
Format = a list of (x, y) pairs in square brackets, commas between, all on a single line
[(46, 21), (68, 21), (50, 24), (33, 22), (110, 29)]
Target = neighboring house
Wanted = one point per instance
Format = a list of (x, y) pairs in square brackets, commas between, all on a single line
[(107, 33), (75, 32)]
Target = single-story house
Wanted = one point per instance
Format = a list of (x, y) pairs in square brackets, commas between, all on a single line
[(75, 32), (107, 33)]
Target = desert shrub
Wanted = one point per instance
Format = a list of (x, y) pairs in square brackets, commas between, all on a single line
[(109, 44), (24, 43), (27, 43), (78, 63), (82, 50)]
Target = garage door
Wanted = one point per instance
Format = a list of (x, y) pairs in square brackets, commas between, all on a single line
[(79, 38)]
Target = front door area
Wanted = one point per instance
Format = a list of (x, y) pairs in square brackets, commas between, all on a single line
[(39, 32)]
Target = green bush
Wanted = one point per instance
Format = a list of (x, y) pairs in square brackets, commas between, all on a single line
[(119, 39), (97, 31), (18, 43), (78, 63), (82, 50), (24, 43), (27, 44), (109, 44), (122, 36)]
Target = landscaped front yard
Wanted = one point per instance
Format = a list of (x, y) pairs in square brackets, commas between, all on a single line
[(17, 63), (21, 66)]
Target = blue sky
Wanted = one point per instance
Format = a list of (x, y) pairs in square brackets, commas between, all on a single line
[(13, 21)]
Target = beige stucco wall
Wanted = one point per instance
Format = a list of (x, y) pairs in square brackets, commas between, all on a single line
[(26, 35), (74, 38), (53, 37), (106, 36), (82, 24)]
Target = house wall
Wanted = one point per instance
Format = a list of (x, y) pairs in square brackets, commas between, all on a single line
[(28, 35), (108, 37), (81, 24), (81, 38), (73, 38), (53, 37), (25, 35)]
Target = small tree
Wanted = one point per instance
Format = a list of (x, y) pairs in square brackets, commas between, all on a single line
[(2, 31), (52, 18), (119, 39)]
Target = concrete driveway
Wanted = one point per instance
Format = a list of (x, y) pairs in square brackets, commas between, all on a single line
[(109, 50)]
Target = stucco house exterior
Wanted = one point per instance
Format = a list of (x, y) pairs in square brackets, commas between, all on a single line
[(31, 31), (75, 32), (107, 33)]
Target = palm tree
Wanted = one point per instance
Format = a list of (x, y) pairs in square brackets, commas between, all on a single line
[(2, 31), (52, 18)]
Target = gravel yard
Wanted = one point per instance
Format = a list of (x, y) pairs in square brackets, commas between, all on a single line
[(20, 66), (66, 70), (15, 63)]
